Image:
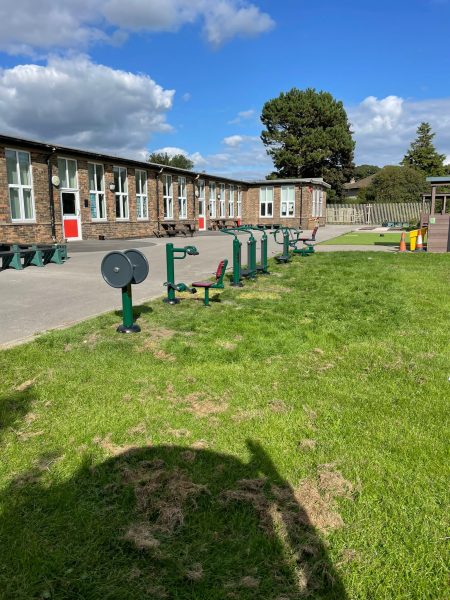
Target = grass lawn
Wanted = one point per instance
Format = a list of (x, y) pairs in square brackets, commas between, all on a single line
[(367, 239), (290, 440)]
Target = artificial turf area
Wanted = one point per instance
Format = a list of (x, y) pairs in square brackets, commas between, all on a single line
[(362, 238), (292, 440)]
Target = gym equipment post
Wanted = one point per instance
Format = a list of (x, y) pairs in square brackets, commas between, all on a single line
[(121, 270), (237, 248), (172, 287), (262, 267), (250, 271)]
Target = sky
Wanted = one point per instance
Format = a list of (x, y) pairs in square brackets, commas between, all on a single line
[(126, 77)]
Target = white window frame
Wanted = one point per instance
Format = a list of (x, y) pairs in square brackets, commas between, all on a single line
[(212, 199), (21, 187), (287, 204), (222, 201), (141, 195), (182, 198), (317, 203), (239, 202), (231, 202), (266, 202), (122, 195), (96, 193), (168, 197)]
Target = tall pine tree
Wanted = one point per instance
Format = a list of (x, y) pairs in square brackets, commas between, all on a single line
[(308, 135), (422, 155)]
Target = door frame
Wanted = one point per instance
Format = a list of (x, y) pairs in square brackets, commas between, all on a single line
[(202, 215), (71, 217)]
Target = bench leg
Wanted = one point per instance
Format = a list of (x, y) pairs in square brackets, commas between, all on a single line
[(57, 256), (206, 300), (37, 259), (14, 262)]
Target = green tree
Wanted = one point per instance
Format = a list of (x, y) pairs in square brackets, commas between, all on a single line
[(177, 160), (396, 184), (362, 171), (307, 134), (422, 154)]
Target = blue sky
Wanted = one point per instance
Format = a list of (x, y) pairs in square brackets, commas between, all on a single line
[(192, 75)]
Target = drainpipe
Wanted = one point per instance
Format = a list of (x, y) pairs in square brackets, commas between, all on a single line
[(50, 194), (157, 199), (194, 185), (301, 205)]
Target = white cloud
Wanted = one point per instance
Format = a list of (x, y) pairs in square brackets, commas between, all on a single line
[(26, 28), (233, 140), (79, 103), (384, 128), (243, 115), (186, 97), (247, 160)]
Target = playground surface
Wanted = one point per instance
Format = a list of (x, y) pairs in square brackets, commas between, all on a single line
[(360, 238), (290, 441), (36, 300)]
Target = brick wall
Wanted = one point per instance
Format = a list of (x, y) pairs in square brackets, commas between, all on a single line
[(41, 230)]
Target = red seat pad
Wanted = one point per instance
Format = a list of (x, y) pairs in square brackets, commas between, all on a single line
[(202, 284)]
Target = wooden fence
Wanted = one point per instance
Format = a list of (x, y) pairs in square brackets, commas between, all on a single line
[(375, 214)]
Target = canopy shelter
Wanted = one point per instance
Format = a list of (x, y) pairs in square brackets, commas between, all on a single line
[(438, 223), (437, 182)]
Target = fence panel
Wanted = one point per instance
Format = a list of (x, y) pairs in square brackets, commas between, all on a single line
[(376, 213)]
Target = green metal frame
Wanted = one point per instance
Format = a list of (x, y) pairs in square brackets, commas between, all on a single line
[(285, 257), (172, 287), (250, 272), (218, 285), (262, 267), (236, 280)]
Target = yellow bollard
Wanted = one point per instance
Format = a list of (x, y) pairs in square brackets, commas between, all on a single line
[(413, 239)]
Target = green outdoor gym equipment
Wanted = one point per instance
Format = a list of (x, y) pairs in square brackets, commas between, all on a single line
[(121, 270), (262, 267), (237, 248), (250, 271), (172, 287), (213, 285), (308, 246), (285, 257)]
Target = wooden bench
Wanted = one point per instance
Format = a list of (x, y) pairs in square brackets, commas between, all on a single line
[(172, 228)]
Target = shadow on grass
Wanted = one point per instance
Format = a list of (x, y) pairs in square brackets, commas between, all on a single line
[(14, 406), (138, 311), (164, 522)]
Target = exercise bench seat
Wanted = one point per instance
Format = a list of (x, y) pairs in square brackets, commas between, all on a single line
[(217, 284)]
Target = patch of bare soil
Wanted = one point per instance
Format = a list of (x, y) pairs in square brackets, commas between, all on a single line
[(151, 343), (307, 444), (178, 433), (161, 499), (114, 449), (226, 345), (26, 385), (202, 404), (188, 456), (195, 573), (91, 340), (27, 435), (141, 428), (278, 406), (200, 444)]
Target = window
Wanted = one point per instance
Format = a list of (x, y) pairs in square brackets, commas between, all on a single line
[(141, 194), (182, 199), (97, 191), (222, 200), (231, 202), (266, 202), (287, 206), (239, 202), (18, 166), (121, 183), (168, 196), (212, 199), (201, 197), (317, 203)]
